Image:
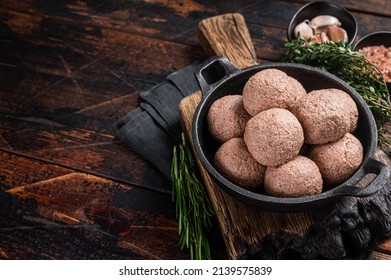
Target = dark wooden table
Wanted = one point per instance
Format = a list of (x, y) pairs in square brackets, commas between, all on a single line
[(69, 70)]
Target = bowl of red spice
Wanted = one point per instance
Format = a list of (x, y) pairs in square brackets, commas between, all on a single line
[(376, 47)]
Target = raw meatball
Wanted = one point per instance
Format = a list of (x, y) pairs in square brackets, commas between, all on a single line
[(298, 177), (338, 160), (326, 115), (271, 88), (351, 108), (227, 118), (274, 136), (235, 163)]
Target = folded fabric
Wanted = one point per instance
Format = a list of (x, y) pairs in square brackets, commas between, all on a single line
[(148, 139), (173, 132), (185, 80), (164, 99), (154, 128)]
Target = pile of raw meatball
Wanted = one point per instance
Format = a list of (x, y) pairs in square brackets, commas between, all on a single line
[(280, 140)]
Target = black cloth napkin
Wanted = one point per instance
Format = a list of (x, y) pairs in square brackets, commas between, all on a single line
[(154, 128)]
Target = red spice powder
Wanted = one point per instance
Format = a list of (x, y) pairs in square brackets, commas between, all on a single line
[(380, 56)]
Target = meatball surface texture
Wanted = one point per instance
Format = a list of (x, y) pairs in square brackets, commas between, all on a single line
[(227, 118), (338, 160), (326, 115), (296, 178), (235, 163), (271, 88), (274, 136)]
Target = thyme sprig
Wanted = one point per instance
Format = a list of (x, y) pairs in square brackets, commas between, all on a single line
[(351, 66), (193, 209)]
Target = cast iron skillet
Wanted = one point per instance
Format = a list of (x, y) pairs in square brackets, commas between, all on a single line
[(217, 78)]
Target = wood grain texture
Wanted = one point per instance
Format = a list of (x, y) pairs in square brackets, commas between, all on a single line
[(376, 6), (69, 70), (384, 247), (375, 255), (233, 42), (96, 218), (46, 123)]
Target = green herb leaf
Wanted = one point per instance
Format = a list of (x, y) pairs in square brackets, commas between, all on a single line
[(352, 67), (193, 209)]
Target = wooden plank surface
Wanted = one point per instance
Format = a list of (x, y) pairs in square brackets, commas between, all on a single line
[(375, 255), (107, 82), (376, 6), (69, 70), (53, 204)]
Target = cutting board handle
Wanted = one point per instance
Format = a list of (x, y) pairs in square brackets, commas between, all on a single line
[(227, 35)]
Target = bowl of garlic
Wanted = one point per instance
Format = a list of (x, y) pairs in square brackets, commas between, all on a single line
[(319, 22)]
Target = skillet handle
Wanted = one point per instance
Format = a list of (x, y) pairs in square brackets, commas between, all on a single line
[(212, 72), (371, 166)]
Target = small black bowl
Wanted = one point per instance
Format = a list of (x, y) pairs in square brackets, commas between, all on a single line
[(375, 39), (313, 9)]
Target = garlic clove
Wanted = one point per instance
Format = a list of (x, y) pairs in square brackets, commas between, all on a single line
[(336, 33), (304, 30), (324, 38), (323, 21), (316, 39)]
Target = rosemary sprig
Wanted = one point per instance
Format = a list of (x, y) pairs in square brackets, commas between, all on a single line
[(351, 66), (193, 209)]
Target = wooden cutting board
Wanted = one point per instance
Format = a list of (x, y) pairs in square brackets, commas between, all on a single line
[(245, 229)]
